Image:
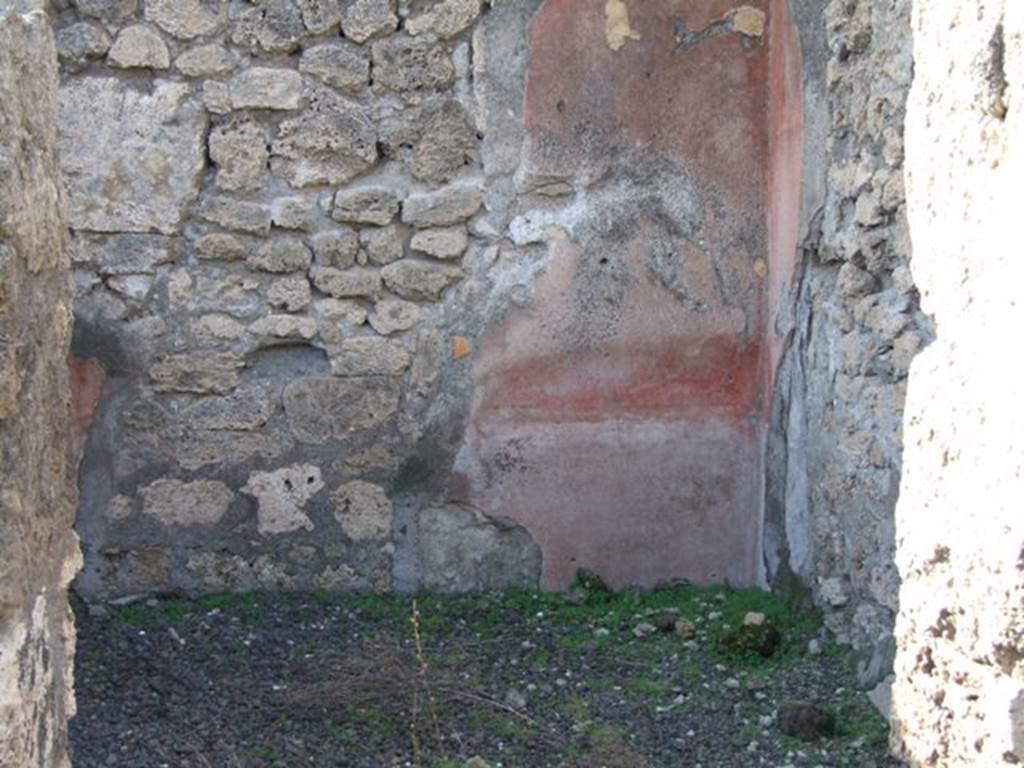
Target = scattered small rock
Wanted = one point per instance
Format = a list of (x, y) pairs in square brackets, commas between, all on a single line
[(805, 720), (763, 640), (515, 699), (98, 611), (685, 629), (643, 629), (754, 619), (665, 621), (881, 696)]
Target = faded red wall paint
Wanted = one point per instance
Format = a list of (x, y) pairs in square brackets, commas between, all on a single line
[(87, 380), (713, 377), (648, 95), (785, 170), (619, 417)]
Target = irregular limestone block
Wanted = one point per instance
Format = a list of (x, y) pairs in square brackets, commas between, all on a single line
[(366, 205), (404, 64), (107, 10), (284, 328), (332, 142), (133, 287), (447, 142), (187, 18), (445, 19), (369, 356), (384, 245), (441, 135), (444, 243), (135, 160), (339, 64), (217, 97), (408, 65), (340, 311), (338, 579), (462, 550), (136, 570), (173, 502), (201, 374), (338, 319), (246, 409), (363, 510), (366, 19), (321, 16), (78, 44), (225, 572), (266, 88), (235, 295), (236, 214), (374, 458), (420, 281), (125, 254), (221, 246), (239, 149), (282, 255), (392, 315), (347, 284), (271, 26), (336, 247), (204, 448), (322, 409), (451, 205), (139, 46), (290, 293), (211, 60), (294, 213), (282, 497)]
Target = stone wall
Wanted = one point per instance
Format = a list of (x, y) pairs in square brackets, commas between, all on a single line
[(853, 325), (278, 213), (958, 698), (373, 285), (38, 551)]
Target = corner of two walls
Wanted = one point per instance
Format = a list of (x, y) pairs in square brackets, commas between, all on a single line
[(850, 323)]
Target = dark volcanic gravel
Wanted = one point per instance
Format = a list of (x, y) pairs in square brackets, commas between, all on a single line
[(520, 680)]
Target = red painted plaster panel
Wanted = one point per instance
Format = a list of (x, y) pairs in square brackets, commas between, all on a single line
[(639, 502), (618, 416)]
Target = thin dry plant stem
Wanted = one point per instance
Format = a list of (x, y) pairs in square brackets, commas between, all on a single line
[(423, 676)]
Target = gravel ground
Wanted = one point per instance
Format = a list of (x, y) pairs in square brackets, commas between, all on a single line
[(518, 680)]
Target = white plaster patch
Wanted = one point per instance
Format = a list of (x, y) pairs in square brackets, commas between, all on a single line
[(282, 495), (749, 21), (616, 26)]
